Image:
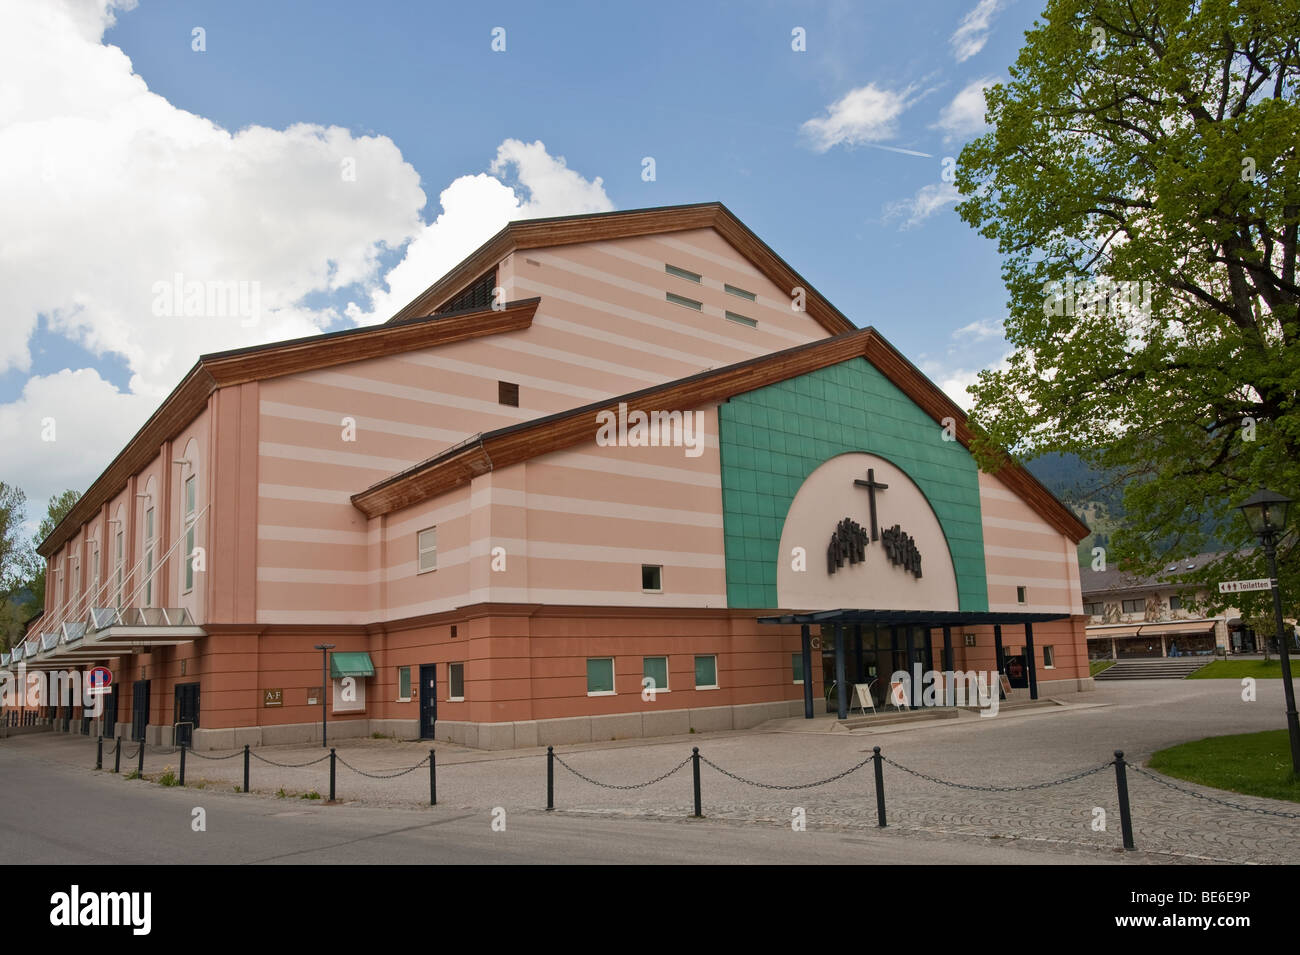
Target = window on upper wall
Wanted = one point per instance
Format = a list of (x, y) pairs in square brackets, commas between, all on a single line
[(706, 672), (652, 578), (478, 294), (427, 546), (455, 681), (600, 676), (1134, 606), (403, 684), (740, 292), (191, 503), (148, 557), (1094, 608), (683, 274), (741, 319), (1175, 602), (508, 393), (654, 674), (684, 301), (1022, 594)]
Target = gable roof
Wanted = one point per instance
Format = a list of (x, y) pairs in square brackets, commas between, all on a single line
[(594, 227), (462, 462), (258, 362)]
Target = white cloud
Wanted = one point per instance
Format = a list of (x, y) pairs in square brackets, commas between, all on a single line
[(863, 115), (954, 381), (973, 31), (928, 200), (964, 116), (980, 331), (108, 190), (474, 208)]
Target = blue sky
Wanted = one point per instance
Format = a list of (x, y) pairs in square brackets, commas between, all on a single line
[(814, 150)]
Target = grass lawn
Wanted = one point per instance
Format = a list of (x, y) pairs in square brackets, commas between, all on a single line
[(1255, 764), (1236, 669), (1096, 666)]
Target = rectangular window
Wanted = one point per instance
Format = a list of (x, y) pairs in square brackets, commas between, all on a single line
[(656, 669), (1134, 606), (682, 300), (796, 666), (652, 578), (191, 500), (508, 393), (427, 543), (148, 557), (706, 673), (741, 320), (456, 681), (600, 676), (1094, 609), (1022, 594), (683, 273), (403, 684), (732, 290), (117, 568), (1049, 658), (1175, 602)]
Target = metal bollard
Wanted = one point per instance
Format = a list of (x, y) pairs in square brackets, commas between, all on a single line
[(139, 769), (695, 760), (117, 756), (331, 774), (245, 767), (99, 754), (1121, 783), (880, 786), (433, 778), (182, 764), (550, 778)]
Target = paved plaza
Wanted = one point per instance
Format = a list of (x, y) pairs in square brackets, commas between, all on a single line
[(1016, 748)]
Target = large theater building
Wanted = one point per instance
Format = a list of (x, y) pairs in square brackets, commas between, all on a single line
[(604, 452)]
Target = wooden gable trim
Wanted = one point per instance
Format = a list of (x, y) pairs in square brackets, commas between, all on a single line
[(569, 230)]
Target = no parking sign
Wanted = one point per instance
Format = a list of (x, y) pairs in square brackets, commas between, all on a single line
[(99, 680)]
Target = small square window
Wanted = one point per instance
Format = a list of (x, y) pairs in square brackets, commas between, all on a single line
[(654, 674), (600, 676), (1022, 594), (455, 681), (1175, 602), (1049, 657), (428, 550), (796, 666), (652, 578), (403, 684), (706, 673), (508, 393)]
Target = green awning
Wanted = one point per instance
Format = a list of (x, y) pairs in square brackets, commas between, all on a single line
[(350, 664)]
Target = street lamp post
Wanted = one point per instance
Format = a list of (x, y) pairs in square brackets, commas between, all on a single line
[(324, 649), (1266, 513)]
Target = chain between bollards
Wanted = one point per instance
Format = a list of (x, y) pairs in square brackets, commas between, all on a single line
[(245, 767), (433, 778), (550, 778), (332, 771), (695, 768), (880, 785), (1121, 783)]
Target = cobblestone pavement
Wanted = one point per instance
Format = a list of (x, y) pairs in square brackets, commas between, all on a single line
[(1013, 749)]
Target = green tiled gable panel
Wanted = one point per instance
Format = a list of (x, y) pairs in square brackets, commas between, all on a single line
[(773, 438)]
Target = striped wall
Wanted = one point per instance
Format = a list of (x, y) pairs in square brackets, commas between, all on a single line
[(1021, 549), (604, 327)]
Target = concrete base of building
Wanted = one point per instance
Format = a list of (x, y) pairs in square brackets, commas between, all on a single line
[(1057, 687)]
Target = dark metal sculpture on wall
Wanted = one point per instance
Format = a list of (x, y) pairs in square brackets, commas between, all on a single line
[(849, 540)]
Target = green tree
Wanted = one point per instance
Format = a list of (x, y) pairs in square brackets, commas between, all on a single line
[(1151, 142), (56, 511), (17, 562)]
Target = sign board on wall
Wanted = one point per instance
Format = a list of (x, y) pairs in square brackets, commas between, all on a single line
[(273, 697), (314, 695), (1242, 586)]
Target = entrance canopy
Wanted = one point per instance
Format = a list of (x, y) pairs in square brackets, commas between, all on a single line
[(916, 618)]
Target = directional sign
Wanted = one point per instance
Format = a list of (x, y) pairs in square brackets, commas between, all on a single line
[(1241, 586)]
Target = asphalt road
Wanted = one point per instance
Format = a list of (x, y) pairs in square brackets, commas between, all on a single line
[(59, 814)]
